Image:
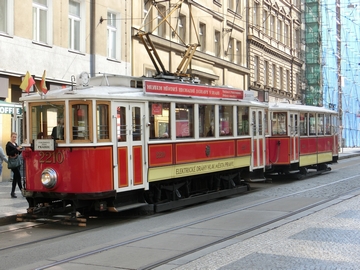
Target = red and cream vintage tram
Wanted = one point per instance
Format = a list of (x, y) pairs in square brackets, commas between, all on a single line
[(124, 141), (301, 138)]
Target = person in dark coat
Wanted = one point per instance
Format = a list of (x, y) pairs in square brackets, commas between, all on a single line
[(13, 150), (58, 131)]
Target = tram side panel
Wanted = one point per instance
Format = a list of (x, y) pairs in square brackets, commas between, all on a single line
[(279, 150), (167, 161)]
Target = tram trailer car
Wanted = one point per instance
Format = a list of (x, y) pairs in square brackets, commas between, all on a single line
[(303, 140), (122, 142)]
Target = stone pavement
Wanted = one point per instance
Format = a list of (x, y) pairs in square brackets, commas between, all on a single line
[(326, 239)]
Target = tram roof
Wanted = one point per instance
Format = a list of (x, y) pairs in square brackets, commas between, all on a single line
[(119, 87), (299, 108)]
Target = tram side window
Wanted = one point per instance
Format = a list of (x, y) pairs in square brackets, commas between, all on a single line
[(334, 124), (266, 126), (303, 124), (206, 121), (184, 115), (320, 124), (159, 120), (278, 123), (327, 124), (80, 121), (312, 124), (47, 121), (136, 124), (121, 124), (243, 120), (102, 121), (225, 120)]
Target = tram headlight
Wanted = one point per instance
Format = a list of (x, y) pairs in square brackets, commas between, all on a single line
[(49, 178)]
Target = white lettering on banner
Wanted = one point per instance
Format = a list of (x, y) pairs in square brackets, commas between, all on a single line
[(9, 110)]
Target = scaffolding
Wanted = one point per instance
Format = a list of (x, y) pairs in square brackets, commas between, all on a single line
[(340, 25), (313, 75)]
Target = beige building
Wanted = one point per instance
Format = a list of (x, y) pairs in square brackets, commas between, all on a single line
[(274, 48), (217, 29), (65, 38)]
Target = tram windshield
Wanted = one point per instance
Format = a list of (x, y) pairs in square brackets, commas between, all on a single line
[(47, 121)]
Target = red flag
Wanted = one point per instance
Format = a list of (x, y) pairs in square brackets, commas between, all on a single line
[(27, 82), (43, 87)]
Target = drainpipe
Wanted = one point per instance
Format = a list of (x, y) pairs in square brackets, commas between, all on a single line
[(92, 37)]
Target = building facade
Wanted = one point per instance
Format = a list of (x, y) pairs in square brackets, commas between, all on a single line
[(275, 48), (64, 38)]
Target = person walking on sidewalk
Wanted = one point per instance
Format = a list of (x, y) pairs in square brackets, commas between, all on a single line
[(13, 150), (2, 158)]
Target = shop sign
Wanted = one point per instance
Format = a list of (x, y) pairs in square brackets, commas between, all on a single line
[(10, 110)]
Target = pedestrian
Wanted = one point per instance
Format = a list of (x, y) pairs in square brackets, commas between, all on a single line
[(13, 151), (2, 158)]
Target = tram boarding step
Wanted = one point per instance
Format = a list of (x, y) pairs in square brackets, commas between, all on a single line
[(121, 208)]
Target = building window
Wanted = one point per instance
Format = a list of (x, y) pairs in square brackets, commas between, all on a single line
[(266, 66), (272, 26), (217, 44), (281, 75), (182, 28), (6, 16), (231, 50), (147, 16), (274, 75), (202, 35), (265, 19), (40, 21), (234, 5), (256, 14), (287, 80), (286, 34), (161, 15), (74, 25), (238, 52), (256, 68), (279, 30), (297, 39), (113, 44)]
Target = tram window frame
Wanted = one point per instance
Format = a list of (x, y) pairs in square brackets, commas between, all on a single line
[(121, 127), (46, 127), (160, 124), (312, 124), (103, 118), (243, 122), (328, 124), (279, 123), (226, 120), (77, 105), (184, 119), (206, 120), (303, 124), (320, 129)]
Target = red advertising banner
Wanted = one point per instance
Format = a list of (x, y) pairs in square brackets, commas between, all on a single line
[(192, 90)]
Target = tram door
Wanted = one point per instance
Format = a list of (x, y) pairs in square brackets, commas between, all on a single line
[(294, 137), (258, 137), (129, 149)]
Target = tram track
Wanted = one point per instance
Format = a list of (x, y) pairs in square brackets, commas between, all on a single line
[(287, 216)]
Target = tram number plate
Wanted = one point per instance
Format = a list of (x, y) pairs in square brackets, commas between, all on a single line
[(52, 157)]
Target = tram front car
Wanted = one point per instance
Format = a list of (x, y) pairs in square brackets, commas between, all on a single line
[(68, 152)]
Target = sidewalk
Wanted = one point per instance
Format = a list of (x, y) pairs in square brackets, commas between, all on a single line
[(10, 207)]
